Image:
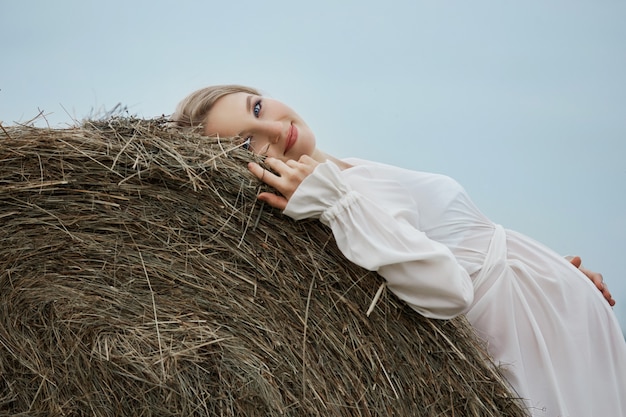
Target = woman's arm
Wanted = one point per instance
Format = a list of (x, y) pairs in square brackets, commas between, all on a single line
[(420, 271), (313, 204)]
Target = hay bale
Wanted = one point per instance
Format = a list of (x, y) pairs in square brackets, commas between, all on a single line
[(140, 276)]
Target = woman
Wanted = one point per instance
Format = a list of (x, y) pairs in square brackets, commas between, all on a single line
[(553, 334)]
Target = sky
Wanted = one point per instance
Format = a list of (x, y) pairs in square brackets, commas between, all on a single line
[(523, 103)]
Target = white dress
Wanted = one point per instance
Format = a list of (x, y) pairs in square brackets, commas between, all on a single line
[(552, 332)]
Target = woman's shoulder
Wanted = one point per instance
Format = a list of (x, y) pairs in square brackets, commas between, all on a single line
[(426, 186), (367, 167)]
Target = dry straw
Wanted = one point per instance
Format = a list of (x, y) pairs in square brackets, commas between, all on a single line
[(140, 276)]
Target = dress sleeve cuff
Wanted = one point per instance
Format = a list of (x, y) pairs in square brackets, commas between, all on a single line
[(320, 195)]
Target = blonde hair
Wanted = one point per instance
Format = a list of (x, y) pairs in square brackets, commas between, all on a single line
[(193, 110)]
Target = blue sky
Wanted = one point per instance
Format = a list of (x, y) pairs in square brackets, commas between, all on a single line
[(524, 103)]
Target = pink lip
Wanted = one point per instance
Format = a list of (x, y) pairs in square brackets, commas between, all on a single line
[(292, 136)]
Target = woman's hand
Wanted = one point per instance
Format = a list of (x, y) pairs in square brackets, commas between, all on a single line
[(596, 278), (289, 176)]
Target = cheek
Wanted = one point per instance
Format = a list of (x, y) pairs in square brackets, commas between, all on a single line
[(310, 140)]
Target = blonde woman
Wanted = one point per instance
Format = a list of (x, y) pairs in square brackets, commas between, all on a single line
[(542, 319)]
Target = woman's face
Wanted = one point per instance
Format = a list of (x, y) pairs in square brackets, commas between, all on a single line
[(267, 126)]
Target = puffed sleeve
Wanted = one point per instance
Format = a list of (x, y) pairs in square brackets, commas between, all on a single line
[(420, 271)]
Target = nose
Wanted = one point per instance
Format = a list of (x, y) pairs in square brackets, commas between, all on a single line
[(273, 130)]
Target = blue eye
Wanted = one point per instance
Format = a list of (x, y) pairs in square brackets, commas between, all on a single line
[(257, 108)]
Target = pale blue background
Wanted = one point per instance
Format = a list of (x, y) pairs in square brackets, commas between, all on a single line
[(523, 102)]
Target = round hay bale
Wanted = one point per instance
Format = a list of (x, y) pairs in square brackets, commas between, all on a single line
[(140, 276)]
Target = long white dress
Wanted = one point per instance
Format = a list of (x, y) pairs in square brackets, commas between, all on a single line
[(548, 327)]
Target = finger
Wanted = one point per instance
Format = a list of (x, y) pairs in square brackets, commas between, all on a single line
[(273, 200), (276, 164), (307, 159), (599, 284), (302, 167), (607, 295), (263, 174), (598, 279), (576, 261), (595, 277), (256, 169)]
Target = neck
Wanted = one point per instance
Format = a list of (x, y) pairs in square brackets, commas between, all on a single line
[(322, 157)]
